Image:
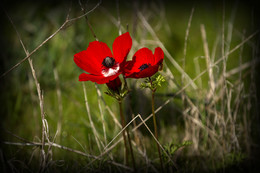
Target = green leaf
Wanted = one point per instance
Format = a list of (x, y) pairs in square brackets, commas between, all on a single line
[(153, 82), (171, 148)]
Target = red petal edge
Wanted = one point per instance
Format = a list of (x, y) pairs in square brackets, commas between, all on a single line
[(158, 55), (97, 78), (121, 47)]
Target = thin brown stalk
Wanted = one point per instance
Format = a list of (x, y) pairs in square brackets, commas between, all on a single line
[(40, 96), (86, 17)]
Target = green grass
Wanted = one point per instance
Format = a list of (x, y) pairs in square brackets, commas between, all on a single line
[(182, 119)]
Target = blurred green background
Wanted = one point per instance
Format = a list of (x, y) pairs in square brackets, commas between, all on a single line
[(35, 21)]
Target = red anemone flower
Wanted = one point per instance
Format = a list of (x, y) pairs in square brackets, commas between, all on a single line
[(144, 63), (100, 63)]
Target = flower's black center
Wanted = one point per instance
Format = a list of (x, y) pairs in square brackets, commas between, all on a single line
[(144, 66), (108, 62)]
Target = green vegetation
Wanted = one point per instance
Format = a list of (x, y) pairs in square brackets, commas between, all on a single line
[(210, 124)]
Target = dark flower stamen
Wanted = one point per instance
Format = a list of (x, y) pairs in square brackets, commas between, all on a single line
[(108, 62), (144, 66)]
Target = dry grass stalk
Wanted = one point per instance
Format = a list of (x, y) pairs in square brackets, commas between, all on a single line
[(64, 25), (175, 64), (101, 113), (44, 121), (96, 135), (208, 61), (41, 102), (64, 148)]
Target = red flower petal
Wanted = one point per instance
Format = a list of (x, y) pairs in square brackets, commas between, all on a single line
[(97, 78), (158, 56), (144, 73), (142, 56), (91, 59), (128, 67), (82, 61), (121, 47)]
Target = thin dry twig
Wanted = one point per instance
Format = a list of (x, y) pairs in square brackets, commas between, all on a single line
[(64, 148), (40, 96), (208, 61), (90, 119), (65, 24), (101, 113)]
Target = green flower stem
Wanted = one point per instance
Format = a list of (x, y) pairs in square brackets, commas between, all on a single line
[(155, 126), (128, 136), (123, 125)]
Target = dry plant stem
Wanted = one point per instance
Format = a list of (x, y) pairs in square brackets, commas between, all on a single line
[(43, 161), (64, 148), (67, 21), (106, 149), (123, 125), (118, 141), (101, 112), (89, 116), (208, 61), (40, 96), (86, 17)]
